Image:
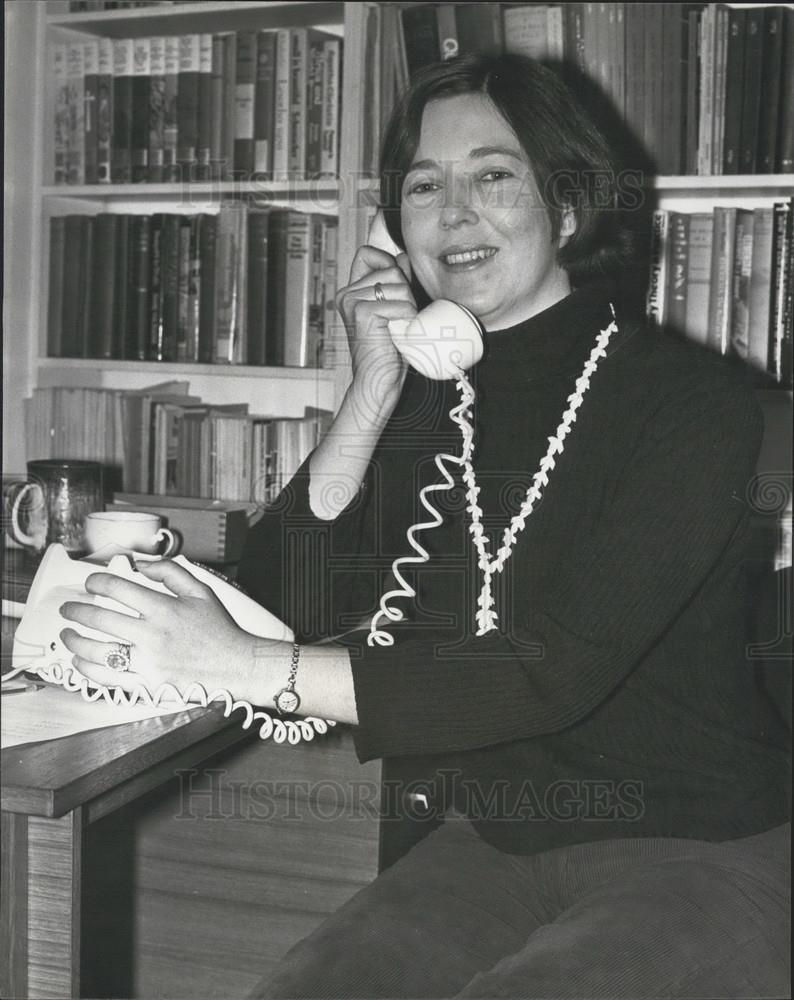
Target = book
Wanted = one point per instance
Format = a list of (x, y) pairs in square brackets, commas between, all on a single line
[(479, 28), (331, 116), (258, 227), (138, 304), (769, 100), (740, 284), (760, 290), (121, 154), (448, 43), (155, 173), (229, 90), (216, 107), (102, 342), (121, 285), (207, 239), (734, 81), (204, 108), (264, 99), (75, 159), (779, 321), (720, 293), (245, 87), (139, 132), (187, 104), (656, 305), (171, 110), (314, 108), (230, 276), (677, 272), (55, 298), (420, 36), (168, 332), (334, 335), (525, 30), (61, 125), (299, 332), (751, 95), (78, 234), (698, 280), (784, 159), (281, 105), (91, 100)]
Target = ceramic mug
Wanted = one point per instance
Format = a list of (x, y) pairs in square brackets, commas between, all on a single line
[(54, 504), (112, 531)]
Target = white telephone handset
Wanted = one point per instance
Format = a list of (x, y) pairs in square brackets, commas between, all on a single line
[(443, 339)]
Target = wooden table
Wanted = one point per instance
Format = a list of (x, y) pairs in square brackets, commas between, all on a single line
[(176, 856)]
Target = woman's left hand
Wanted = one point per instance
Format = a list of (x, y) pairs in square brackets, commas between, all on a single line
[(180, 637)]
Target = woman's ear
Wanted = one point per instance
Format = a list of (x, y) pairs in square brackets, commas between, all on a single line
[(567, 225)]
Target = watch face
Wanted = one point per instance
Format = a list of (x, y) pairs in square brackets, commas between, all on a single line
[(287, 701)]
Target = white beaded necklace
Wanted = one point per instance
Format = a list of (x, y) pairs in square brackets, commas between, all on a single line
[(486, 615), (461, 415)]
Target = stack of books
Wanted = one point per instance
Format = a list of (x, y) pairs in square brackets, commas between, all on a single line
[(165, 441), (227, 106), (706, 88), (725, 278), (249, 286)]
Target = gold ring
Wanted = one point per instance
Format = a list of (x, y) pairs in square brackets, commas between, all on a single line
[(379, 296)]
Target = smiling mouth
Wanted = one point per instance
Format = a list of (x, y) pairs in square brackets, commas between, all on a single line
[(468, 256)]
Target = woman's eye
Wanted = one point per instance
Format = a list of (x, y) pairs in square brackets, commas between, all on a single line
[(495, 175), (423, 187)]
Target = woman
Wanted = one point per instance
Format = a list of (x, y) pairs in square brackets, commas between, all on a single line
[(619, 787)]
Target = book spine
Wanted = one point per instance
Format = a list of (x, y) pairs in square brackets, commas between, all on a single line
[(86, 288), (694, 69), (183, 292), (525, 31), (91, 101), (121, 156), (138, 297), (678, 270), (708, 27), (264, 98), (332, 349), (781, 251), (55, 298), (61, 125), (207, 238), (154, 351), (281, 105), (760, 289), (245, 87), (751, 96), (101, 336), (314, 107), (448, 44), (216, 108), (141, 77), (769, 100), (298, 291), (299, 69), (231, 261), (784, 160), (169, 281), (479, 29), (720, 81), (740, 284), (171, 110), (332, 91), (656, 305), (229, 124), (204, 138), (75, 62), (156, 152), (258, 224), (276, 283), (315, 336), (701, 236), (104, 111), (120, 286), (720, 295), (420, 35), (734, 80), (187, 104)]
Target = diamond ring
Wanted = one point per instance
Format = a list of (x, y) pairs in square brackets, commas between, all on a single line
[(118, 657), (379, 294)]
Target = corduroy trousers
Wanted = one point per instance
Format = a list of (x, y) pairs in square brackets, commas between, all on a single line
[(630, 918)]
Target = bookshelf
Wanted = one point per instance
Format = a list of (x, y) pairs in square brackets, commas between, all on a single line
[(372, 74)]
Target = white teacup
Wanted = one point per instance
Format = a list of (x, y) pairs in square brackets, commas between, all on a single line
[(112, 531)]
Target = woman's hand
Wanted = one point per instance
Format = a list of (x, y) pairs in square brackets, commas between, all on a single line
[(378, 368), (181, 637)]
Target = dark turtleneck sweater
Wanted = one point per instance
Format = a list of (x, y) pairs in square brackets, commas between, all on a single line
[(615, 698)]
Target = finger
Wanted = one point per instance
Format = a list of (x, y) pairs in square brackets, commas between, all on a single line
[(385, 275), (138, 597), (122, 627), (105, 677), (370, 314), (89, 649), (404, 265), (178, 580), (368, 257)]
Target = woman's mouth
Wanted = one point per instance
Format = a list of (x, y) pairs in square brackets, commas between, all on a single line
[(466, 259)]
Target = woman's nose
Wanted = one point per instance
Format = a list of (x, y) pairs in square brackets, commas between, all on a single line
[(458, 205)]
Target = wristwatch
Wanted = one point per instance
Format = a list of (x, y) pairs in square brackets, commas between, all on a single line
[(287, 700)]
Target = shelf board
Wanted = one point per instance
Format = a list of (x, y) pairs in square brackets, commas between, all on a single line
[(325, 190), (207, 15), (186, 369), (758, 183)]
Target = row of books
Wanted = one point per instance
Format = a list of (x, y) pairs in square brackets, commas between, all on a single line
[(166, 441), (706, 88), (248, 285), (230, 105), (726, 279), (82, 6)]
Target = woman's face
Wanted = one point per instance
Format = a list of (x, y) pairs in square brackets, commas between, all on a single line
[(475, 228)]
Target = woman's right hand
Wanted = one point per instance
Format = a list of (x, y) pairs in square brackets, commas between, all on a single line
[(378, 367)]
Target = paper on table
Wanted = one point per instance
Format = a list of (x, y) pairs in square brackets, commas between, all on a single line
[(49, 712)]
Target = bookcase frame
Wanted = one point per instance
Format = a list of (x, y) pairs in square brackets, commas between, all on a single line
[(32, 199)]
